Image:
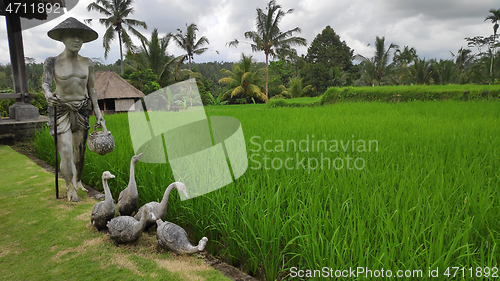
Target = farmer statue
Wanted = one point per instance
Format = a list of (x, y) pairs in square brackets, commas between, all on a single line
[(74, 79)]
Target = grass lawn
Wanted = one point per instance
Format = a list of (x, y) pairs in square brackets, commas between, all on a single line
[(43, 238)]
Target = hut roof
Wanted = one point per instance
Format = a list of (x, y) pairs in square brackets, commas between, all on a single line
[(28, 12), (110, 85)]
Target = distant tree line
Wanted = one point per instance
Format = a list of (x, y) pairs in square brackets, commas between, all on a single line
[(329, 61)]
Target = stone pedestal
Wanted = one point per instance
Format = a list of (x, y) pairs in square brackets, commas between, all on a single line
[(23, 112), (11, 129)]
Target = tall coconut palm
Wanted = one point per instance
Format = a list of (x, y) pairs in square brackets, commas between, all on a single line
[(381, 58), (116, 12), (188, 42), (243, 81), (494, 17), (269, 38)]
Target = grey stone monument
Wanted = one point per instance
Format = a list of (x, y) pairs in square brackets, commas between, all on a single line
[(73, 98)]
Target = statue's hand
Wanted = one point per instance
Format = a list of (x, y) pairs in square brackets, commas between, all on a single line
[(100, 121), (52, 99)]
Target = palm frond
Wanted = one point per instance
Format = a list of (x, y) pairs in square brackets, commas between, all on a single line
[(237, 91), (109, 36)]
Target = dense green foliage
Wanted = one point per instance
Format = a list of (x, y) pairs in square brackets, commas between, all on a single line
[(34, 72), (299, 102), (244, 81), (377, 69), (411, 93), (295, 88), (280, 72), (6, 103), (330, 61), (427, 196), (153, 56)]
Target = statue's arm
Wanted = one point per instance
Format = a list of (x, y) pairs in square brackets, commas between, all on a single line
[(47, 78), (93, 94)]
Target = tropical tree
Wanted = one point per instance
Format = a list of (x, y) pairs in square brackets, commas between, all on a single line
[(419, 72), (188, 42), (143, 80), (329, 58), (295, 88), (280, 71), (243, 81), (494, 17), (479, 42), (367, 71), (380, 60), (444, 72), (116, 14), (464, 60), (153, 55), (405, 57), (269, 38)]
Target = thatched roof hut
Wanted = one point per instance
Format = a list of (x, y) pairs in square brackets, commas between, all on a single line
[(114, 94)]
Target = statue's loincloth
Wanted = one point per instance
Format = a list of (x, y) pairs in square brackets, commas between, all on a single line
[(72, 116)]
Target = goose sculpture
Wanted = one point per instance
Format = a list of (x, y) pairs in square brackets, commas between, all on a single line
[(126, 229), (174, 238), (160, 209), (127, 201), (103, 211)]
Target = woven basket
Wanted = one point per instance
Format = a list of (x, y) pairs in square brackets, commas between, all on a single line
[(101, 142)]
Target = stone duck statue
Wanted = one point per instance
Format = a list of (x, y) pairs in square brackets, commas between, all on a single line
[(172, 237), (103, 211), (160, 209), (125, 229), (127, 201)]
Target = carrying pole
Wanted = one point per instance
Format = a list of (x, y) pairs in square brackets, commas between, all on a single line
[(57, 164)]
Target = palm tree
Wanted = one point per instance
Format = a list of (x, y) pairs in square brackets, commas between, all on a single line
[(464, 60), (295, 88), (380, 61), (405, 57), (243, 81), (418, 73), (367, 69), (269, 38), (443, 71), (153, 55), (188, 42), (116, 12), (494, 18)]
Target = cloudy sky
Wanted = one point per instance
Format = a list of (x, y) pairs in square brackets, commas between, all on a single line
[(432, 27)]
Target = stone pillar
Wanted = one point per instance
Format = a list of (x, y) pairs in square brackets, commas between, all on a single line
[(22, 109)]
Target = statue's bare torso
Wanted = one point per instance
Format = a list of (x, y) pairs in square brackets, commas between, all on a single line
[(71, 78)]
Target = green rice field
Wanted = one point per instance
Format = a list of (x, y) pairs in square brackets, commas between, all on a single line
[(398, 187)]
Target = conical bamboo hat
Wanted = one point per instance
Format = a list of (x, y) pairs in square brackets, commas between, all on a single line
[(72, 24)]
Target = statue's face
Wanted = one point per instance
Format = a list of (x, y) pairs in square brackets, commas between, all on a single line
[(72, 41)]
